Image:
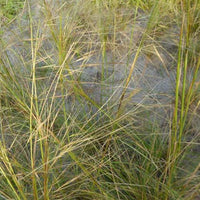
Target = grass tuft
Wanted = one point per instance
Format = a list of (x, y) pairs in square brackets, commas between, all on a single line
[(81, 114)]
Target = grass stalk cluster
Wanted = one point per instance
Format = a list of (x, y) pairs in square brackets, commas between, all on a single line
[(60, 141)]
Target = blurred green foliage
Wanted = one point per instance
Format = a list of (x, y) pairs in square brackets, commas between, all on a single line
[(9, 9)]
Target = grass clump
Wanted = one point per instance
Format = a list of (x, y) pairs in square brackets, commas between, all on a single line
[(71, 124)]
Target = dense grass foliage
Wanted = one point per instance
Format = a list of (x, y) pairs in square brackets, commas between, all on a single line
[(58, 140), (9, 9)]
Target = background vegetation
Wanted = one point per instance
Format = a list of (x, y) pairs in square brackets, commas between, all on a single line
[(9, 9)]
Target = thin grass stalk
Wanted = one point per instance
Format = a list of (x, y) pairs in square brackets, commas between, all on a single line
[(171, 155), (181, 129), (46, 167), (132, 31), (178, 81), (183, 114), (33, 101)]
